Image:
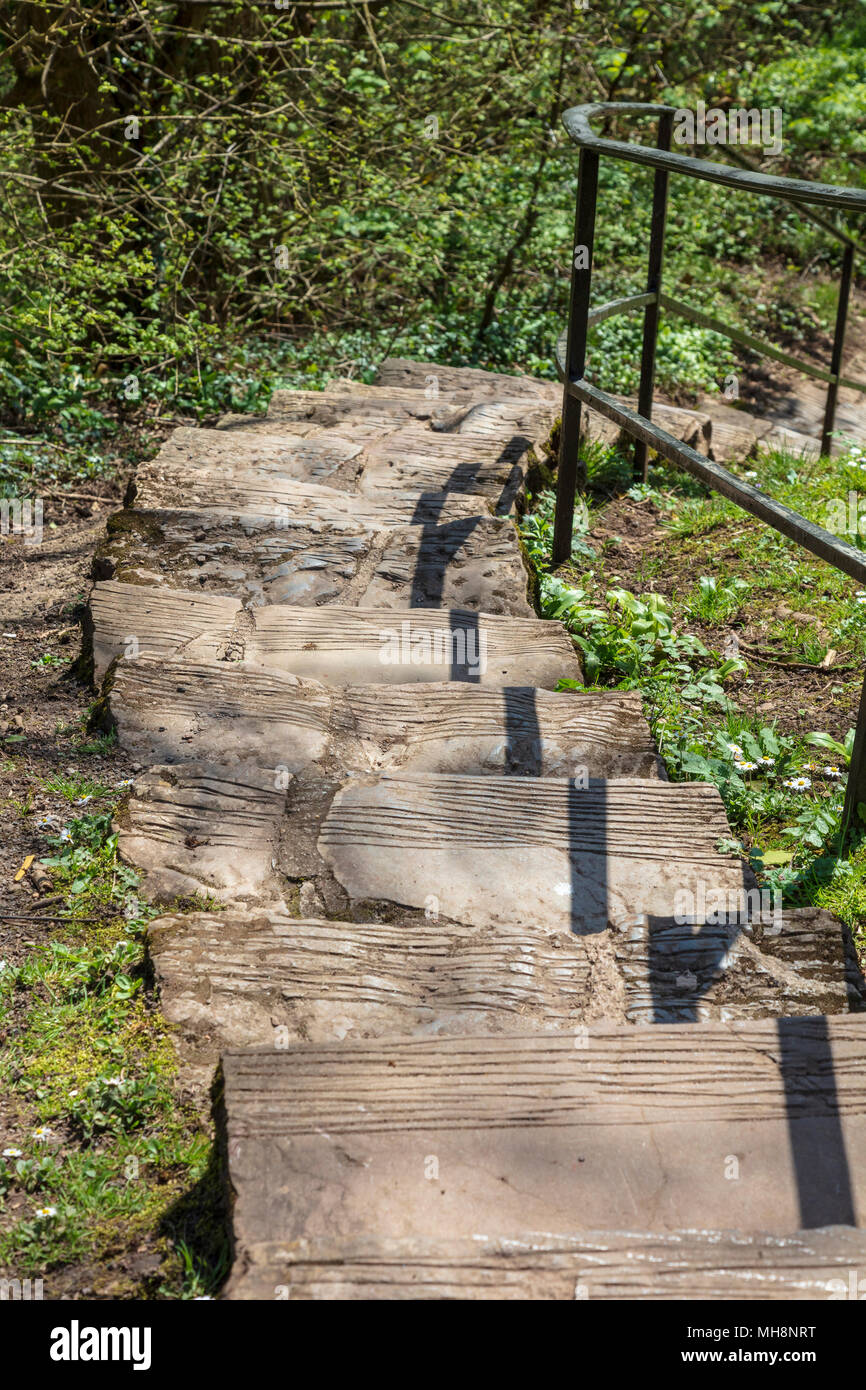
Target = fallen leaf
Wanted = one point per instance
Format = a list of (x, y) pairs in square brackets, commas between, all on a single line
[(24, 867)]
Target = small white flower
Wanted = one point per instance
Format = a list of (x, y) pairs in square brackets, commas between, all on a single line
[(767, 762), (12, 1153), (735, 749), (46, 822), (83, 800), (799, 784), (743, 765), (41, 1133), (114, 1081), (45, 1213), (66, 835), (860, 598), (750, 473), (809, 767), (72, 1093), (831, 772), (127, 782)]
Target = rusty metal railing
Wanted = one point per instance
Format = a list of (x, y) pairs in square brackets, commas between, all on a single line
[(572, 348)]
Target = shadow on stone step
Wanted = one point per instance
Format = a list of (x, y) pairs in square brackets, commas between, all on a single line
[(818, 1154), (685, 962), (439, 544)]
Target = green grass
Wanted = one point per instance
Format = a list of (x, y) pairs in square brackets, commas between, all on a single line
[(722, 567), (109, 1154)]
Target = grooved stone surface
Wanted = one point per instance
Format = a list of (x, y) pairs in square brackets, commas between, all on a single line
[(233, 979), (621, 1265), (341, 646), (540, 851), (203, 826), (132, 621), (741, 1127), (180, 710), (473, 561), (348, 646)]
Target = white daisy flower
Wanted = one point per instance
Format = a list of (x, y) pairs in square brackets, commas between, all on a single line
[(735, 749), (83, 800), (831, 772), (41, 1133), (12, 1153), (45, 1213), (767, 762), (743, 765), (126, 782), (66, 835), (799, 784)]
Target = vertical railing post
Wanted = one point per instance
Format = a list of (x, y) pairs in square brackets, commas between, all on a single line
[(856, 792), (571, 471), (654, 285), (838, 346)]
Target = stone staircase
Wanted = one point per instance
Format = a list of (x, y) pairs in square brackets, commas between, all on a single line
[(469, 1043)]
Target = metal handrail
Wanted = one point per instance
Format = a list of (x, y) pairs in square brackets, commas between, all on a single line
[(571, 355)]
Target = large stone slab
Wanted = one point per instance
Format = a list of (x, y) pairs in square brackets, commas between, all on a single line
[(350, 646), (716, 1266), (744, 1127), (472, 561), (543, 851), (132, 621), (252, 498), (265, 978), (401, 372), (179, 710), (341, 646), (328, 457), (200, 828)]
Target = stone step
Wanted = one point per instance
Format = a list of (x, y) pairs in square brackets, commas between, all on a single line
[(472, 561), (341, 646), (241, 470), (550, 852), (744, 1128), (176, 710), (252, 498), (717, 1266), (401, 372), (486, 851), (201, 828), (266, 978)]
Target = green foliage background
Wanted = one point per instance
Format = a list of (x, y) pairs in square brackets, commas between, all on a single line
[(211, 197)]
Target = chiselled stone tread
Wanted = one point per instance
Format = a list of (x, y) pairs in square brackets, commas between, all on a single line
[(317, 555), (545, 851), (180, 710), (340, 646), (225, 470), (623, 1265), (200, 826), (348, 646), (401, 372), (738, 1127), (129, 620), (258, 978)]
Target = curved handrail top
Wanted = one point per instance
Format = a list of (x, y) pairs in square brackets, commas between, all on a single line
[(577, 123)]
